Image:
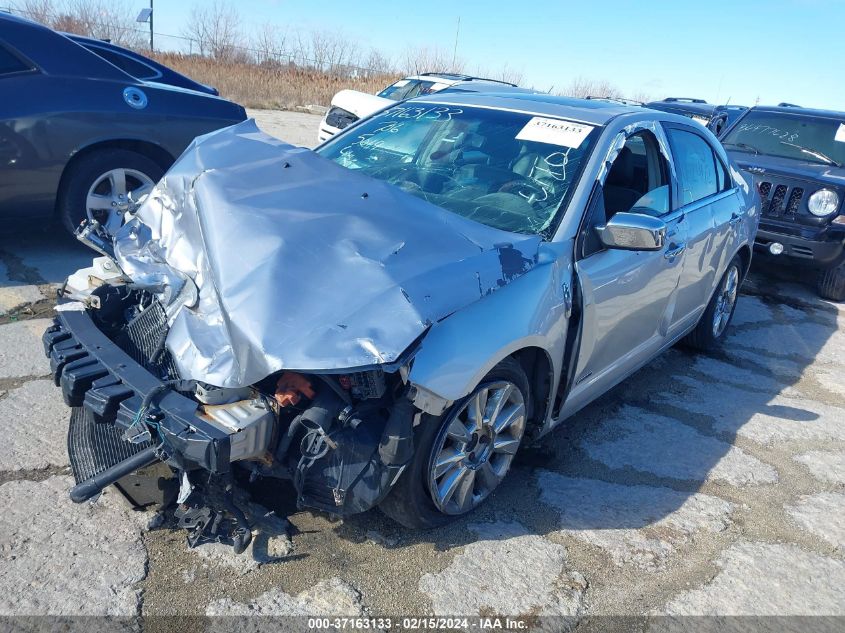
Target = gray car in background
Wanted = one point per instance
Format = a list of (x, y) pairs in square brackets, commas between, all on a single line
[(386, 320)]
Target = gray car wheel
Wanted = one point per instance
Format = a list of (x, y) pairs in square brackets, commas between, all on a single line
[(462, 456), (475, 447), (711, 328), (725, 301)]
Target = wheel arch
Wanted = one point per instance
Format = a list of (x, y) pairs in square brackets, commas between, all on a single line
[(744, 253), (537, 364), (150, 150), (526, 320)]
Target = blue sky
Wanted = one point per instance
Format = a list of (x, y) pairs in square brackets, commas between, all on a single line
[(775, 50)]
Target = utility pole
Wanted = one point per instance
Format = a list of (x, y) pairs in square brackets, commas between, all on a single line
[(152, 48), (455, 50)]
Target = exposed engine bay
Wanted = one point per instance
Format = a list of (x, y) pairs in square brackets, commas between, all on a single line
[(341, 438)]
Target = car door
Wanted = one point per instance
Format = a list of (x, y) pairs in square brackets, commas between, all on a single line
[(21, 163), (628, 296), (707, 204)]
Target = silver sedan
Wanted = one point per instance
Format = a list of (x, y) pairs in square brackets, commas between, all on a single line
[(385, 320)]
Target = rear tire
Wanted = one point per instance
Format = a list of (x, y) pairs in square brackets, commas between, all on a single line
[(711, 328), (410, 503), (831, 283), (82, 177)]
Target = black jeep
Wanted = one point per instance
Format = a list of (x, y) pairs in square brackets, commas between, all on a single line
[(796, 156)]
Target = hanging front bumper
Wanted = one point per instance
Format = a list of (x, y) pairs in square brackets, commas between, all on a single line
[(107, 388)]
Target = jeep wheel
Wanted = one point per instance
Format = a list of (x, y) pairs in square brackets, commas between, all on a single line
[(98, 186), (831, 284), (463, 455), (711, 329)]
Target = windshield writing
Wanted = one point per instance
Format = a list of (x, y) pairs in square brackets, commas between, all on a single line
[(804, 138), (487, 165)]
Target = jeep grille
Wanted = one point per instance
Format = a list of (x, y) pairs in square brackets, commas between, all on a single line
[(784, 200)]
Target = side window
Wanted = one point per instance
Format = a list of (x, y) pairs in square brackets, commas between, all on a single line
[(124, 62), (637, 182), (10, 63), (724, 179), (695, 166), (421, 88)]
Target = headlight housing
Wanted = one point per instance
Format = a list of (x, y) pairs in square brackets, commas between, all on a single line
[(823, 202)]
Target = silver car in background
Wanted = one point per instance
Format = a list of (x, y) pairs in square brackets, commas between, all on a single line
[(387, 319)]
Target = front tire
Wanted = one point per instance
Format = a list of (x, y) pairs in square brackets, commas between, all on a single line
[(710, 331), (461, 456), (97, 186), (831, 283)]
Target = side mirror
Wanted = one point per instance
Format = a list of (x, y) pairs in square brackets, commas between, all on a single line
[(633, 232)]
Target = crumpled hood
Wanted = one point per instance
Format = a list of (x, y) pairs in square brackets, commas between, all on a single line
[(300, 263)]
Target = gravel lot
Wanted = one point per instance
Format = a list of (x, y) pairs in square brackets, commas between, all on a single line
[(701, 485)]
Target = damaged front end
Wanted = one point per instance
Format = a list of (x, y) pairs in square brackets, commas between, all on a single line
[(342, 439), (258, 317)]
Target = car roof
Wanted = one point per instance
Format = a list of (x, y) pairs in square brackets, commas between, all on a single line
[(676, 105), (470, 87), (457, 78), (799, 111), (54, 53), (587, 111), (4, 15)]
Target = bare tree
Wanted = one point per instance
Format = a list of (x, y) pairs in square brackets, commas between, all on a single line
[(505, 73), (376, 63), (269, 44), (434, 60), (215, 28), (511, 75), (113, 21), (42, 11), (643, 96), (329, 51), (581, 87)]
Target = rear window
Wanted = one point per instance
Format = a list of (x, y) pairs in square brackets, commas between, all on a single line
[(10, 63), (124, 62), (407, 89)]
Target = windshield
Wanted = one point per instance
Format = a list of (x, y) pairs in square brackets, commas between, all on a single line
[(409, 88), (816, 140), (508, 170)]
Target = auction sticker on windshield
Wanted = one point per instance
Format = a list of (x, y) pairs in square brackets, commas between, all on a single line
[(554, 132)]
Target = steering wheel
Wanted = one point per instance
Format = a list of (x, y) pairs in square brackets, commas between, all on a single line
[(524, 188), (409, 186)]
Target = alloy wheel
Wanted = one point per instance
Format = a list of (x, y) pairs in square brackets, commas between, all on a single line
[(112, 195), (725, 301), (475, 447)]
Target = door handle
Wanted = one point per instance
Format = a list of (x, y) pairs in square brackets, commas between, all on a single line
[(735, 219), (675, 250)]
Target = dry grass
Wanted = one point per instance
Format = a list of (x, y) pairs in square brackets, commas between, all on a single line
[(269, 86)]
